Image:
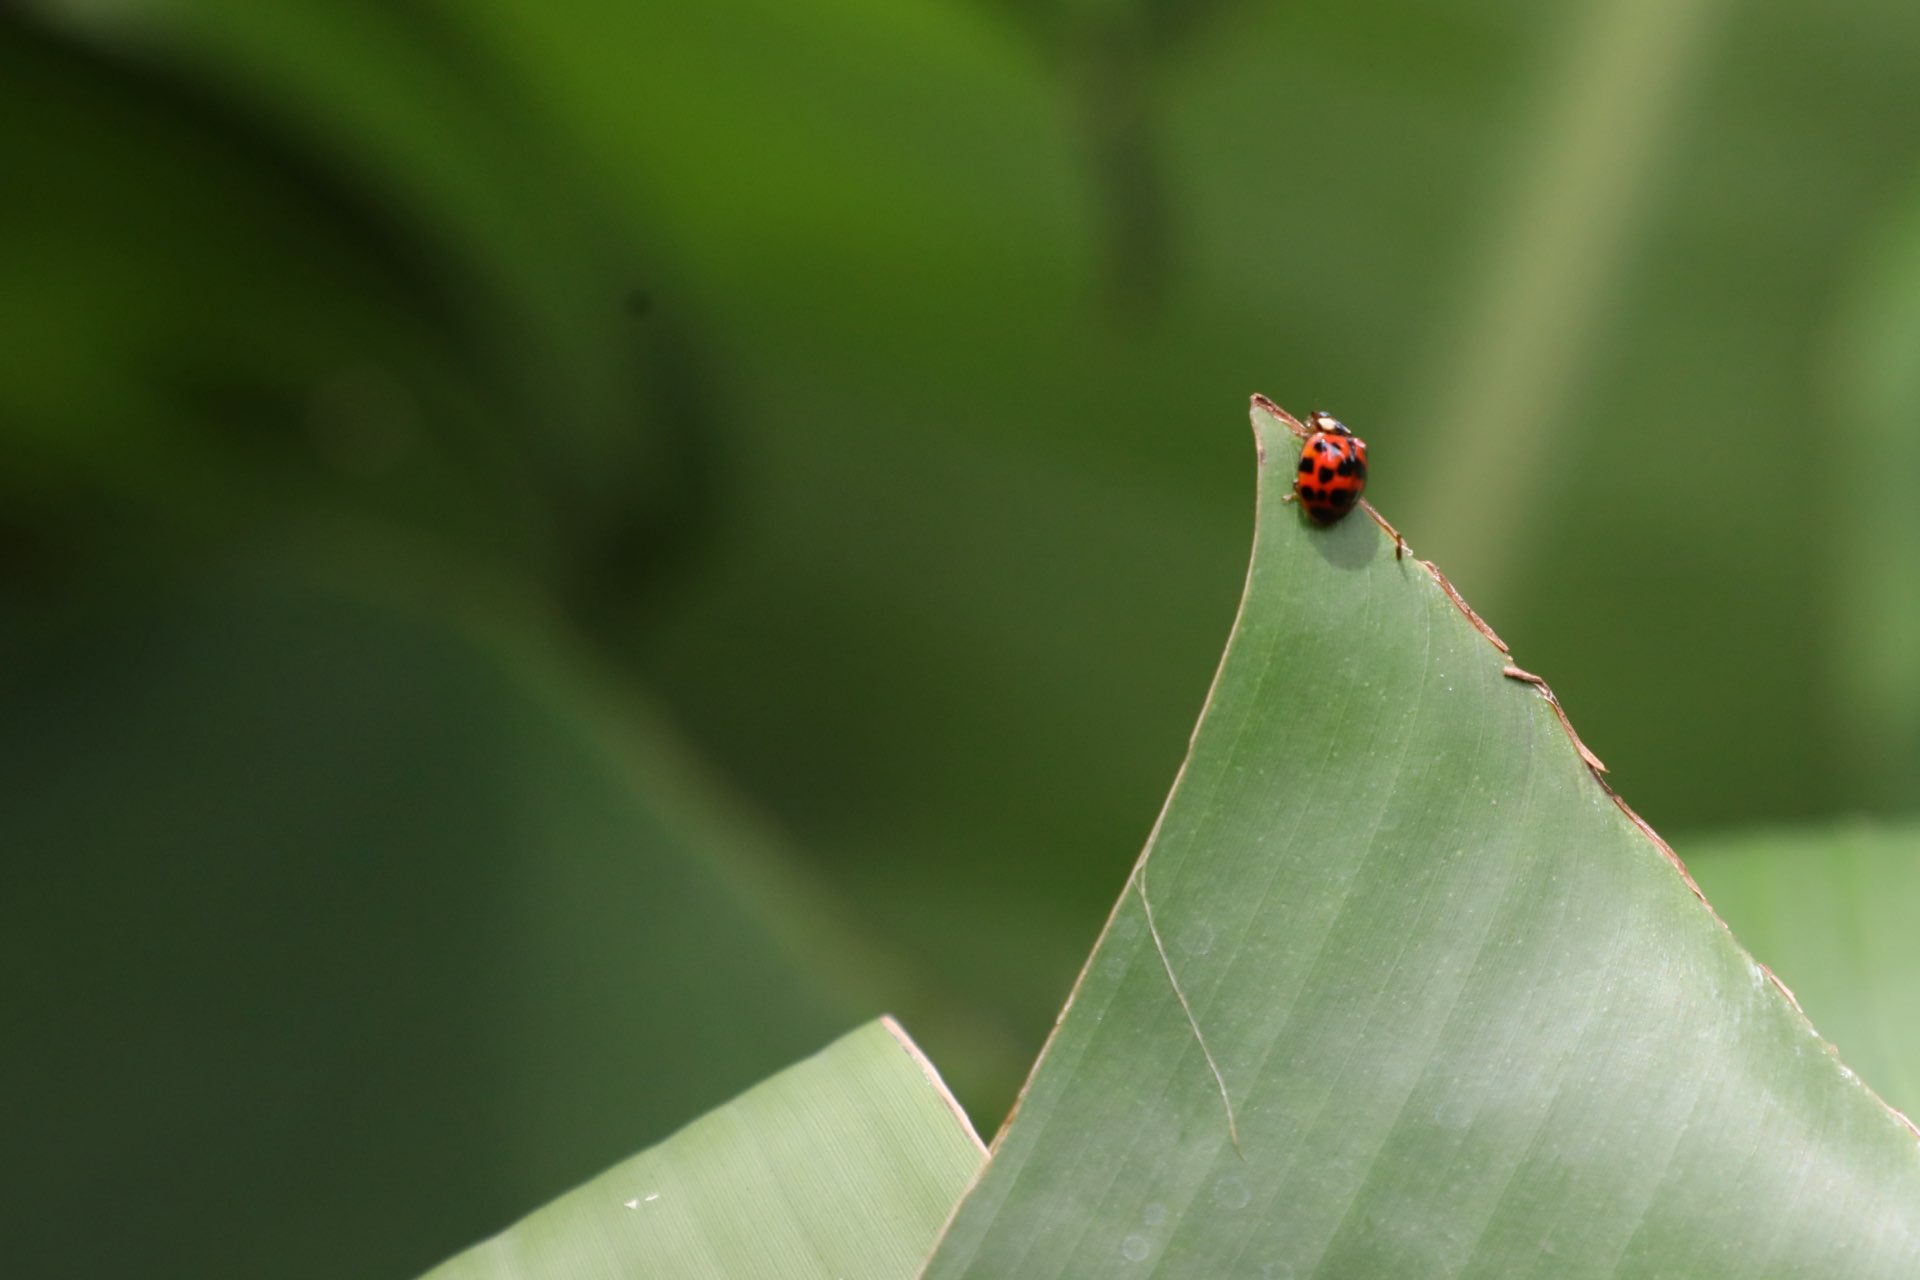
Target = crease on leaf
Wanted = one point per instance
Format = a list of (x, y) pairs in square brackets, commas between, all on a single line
[(1166, 962)]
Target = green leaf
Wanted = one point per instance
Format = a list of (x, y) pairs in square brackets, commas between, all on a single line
[(1831, 912), (1468, 1016), (841, 1167)]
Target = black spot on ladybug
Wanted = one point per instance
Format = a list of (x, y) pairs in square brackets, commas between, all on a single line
[(1342, 498), (1306, 464), (1326, 472), (1309, 494), (1347, 466)]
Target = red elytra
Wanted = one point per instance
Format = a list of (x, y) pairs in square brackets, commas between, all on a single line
[(1333, 469)]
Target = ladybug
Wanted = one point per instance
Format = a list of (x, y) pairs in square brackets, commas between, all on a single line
[(1333, 469)]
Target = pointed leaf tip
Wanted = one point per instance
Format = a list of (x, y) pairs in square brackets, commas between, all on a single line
[(1470, 1021)]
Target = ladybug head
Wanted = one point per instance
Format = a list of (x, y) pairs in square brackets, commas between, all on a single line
[(1320, 420)]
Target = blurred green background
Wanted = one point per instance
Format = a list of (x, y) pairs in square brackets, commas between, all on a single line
[(553, 558)]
